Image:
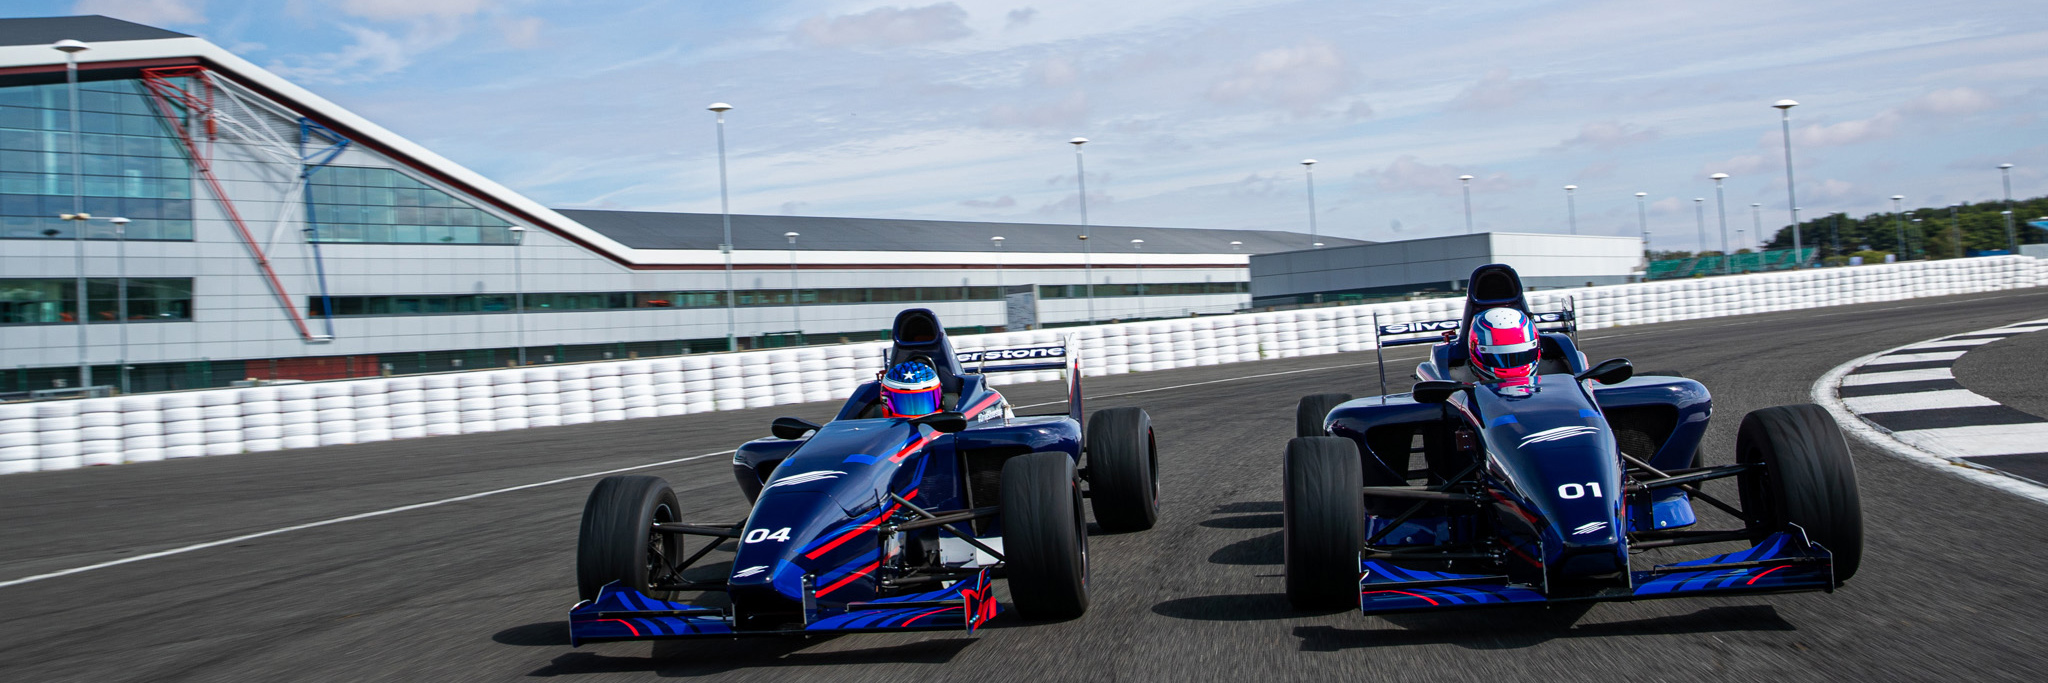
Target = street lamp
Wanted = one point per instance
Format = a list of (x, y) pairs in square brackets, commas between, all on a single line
[(519, 289), (1784, 108), (121, 292), (71, 48), (1721, 208), (1139, 245), (1571, 209), (1087, 253), (1309, 166), (1898, 221), (1236, 245), (1920, 232), (998, 240), (1643, 222), (1467, 180), (796, 302), (1699, 210), (732, 342), (2012, 239), (1956, 224)]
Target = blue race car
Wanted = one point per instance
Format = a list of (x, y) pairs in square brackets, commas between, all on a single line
[(878, 523), (1544, 487)]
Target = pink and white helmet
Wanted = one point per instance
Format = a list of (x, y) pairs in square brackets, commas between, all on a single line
[(1504, 344)]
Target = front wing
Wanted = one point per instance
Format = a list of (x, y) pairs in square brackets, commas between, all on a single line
[(621, 613), (1783, 562)]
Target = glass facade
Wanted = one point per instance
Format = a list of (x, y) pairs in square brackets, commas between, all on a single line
[(1148, 289), (380, 205), (442, 304), (44, 301), (133, 164)]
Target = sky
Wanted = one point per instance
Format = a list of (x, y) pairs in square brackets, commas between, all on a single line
[(1198, 112)]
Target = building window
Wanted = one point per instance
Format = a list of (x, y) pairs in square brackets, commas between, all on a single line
[(132, 164), (432, 304), (1149, 289), (47, 301), (382, 205)]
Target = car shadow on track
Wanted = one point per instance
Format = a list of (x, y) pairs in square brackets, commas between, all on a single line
[(700, 658), (1513, 628)]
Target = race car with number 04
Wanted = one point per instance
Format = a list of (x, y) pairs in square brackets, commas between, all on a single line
[(1546, 487), (873, 522)]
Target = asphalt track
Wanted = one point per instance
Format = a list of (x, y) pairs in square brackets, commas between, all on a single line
[(1952, 586)]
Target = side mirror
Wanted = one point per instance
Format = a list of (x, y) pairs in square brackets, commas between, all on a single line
[(791, 428), (943, 422), (1610, 371), (1436, 391)]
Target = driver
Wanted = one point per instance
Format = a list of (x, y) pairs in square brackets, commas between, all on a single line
[(911, 389), (1504, 345)]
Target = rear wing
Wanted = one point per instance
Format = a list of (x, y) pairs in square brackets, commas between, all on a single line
[(1064, 356), (1434, 331)]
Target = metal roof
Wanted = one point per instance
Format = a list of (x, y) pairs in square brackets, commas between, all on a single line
[(656, 230), (91, 29)]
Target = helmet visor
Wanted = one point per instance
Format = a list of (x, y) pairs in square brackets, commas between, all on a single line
[(910, 403), (1507, 355)]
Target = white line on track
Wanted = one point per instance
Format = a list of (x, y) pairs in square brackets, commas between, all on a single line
[(338, 520)]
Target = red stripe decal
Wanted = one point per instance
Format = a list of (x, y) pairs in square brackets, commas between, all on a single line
[(850, 577), (914, 447), (872, 523), (627, 624), (1432, 603), (906, 622), (1752, 580)]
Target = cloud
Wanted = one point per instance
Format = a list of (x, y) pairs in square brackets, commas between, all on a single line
[(1068, 111), (1830, 189), (1301, 78), (1498, 89), (1668, 206), (393, 10), (794, 208), (1409, 175), (1607, 136), (885, 27), (1019, 18), (1740, 165), (154, 12), (1950, 102), (1003, 202), (520, 32), (1055, 72), (374, 53)]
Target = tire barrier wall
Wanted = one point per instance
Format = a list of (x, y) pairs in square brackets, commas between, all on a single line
[(55, 435)]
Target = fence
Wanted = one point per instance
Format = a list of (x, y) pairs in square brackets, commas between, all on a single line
[(55, 435)]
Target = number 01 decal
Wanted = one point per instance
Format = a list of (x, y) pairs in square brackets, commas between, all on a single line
[(759, 535), (1569, 491)]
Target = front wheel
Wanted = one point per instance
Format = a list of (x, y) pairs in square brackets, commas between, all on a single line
[(1324, 521), (618, 542), (1123, 469), (1808, 479), (1045, 536), (1312, 410)]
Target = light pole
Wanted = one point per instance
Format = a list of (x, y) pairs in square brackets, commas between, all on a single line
[(1721, 209), (1309, 166), (1000, 294), (796, 302), (1955, 223), (1467, 181), (1571, 209), (2012, 240), (1699, 210), (519, 289), (1899, 221), (1139, 245), (1087, 253), (1643, 222), (732, 342), (71, 48), (121, 292), (1784, 108), (1920, 233), (1236, 245)]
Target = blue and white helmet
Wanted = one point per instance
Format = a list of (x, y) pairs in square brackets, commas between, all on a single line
[(911, 389)]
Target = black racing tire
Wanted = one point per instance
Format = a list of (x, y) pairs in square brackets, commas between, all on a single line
[(618, 541), (1808, 479), (1123, 469), (1324, 521), (1309, 413), (1045, 536)]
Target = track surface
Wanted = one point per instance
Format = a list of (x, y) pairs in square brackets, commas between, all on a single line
[(1952, 585)]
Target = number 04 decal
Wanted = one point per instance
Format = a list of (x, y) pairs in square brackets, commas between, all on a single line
[(1569, 491), (759, 535)]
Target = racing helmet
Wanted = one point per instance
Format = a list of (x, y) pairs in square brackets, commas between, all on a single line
[(1504, 344), (911, 389)]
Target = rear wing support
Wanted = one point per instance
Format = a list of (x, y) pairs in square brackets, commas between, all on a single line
[(1435, 331)]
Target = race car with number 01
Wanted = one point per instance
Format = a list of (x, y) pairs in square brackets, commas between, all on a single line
[(878, 523), (1545, 488)]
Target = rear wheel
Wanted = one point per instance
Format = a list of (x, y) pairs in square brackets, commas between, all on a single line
[(1808, 479), (1324, 521), (1123, 469), (618, 543), (1045, 536), (1310, 412)]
